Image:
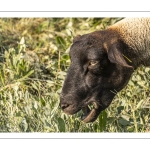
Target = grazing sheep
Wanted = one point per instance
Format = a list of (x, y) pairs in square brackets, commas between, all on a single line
[(103, 62)]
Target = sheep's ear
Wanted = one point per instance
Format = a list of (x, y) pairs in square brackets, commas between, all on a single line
[(76, 38), (115, 56)]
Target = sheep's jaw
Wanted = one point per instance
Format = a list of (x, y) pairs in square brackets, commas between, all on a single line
[(90, 113)]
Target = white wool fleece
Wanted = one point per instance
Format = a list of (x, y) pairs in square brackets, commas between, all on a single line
[(135, 32)]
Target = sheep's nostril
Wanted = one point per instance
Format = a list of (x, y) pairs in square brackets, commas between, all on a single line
[(63, 106)]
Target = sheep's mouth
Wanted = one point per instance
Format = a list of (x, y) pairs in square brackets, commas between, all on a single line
[(90, 112)]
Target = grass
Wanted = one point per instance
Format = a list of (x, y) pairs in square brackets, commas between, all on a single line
[(33, 63)]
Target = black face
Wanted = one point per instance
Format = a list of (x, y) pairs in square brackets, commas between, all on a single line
[(94, 76)]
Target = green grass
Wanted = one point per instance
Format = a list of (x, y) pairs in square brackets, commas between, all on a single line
[(33, 63)]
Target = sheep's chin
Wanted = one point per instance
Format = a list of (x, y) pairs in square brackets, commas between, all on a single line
[(90, 115)]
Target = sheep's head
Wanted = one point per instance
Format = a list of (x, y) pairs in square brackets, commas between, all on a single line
[(97, 72)]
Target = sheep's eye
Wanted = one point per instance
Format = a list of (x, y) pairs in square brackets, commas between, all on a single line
[(93, 62)]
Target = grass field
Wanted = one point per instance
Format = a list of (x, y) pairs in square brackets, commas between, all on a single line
[(33, 63)]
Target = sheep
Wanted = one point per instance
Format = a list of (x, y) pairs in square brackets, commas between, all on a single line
[(101, 62)]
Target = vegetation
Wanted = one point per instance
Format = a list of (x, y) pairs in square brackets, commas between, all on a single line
[(33, 63)]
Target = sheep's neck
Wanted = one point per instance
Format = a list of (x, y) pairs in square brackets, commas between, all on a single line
[(137, 36)]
